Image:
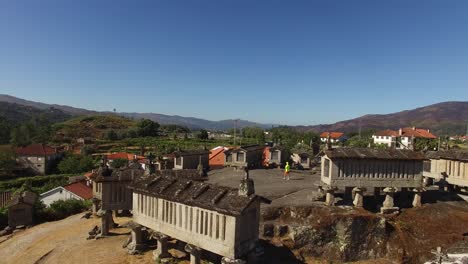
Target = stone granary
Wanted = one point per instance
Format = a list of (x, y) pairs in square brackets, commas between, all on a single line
[(20, 209), (276, 156), (190, 159), (302, 159), (359, 169), (245, 156), (218, 219), (110, 192), (449, 167)]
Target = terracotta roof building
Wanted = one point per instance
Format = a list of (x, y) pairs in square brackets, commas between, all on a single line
[(403, 138), (334, 137), (81, 190), (38, 158)]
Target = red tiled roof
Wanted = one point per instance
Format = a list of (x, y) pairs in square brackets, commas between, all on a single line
[(387, 132), (35, 150), (89, 175), (333, 135), (123, 155), (81, 189), (417, 132)]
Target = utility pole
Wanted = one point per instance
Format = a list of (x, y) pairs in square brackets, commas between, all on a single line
[(235, 130), (359, 129)]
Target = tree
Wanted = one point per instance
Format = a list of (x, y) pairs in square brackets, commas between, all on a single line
[(5, 130), (119, 163), (110, 135), (148, 128), (202, 134), (22, 136), (87, 150), (7, 162), (255, 133), (76, 164)]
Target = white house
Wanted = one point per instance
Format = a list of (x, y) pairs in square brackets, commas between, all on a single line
[(78, 190), (335, 137), (403, 138)]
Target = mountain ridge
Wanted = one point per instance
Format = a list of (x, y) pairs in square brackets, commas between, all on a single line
[(445, 117)]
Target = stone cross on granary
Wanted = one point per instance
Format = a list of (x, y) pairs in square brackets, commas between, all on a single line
[(150, 168), (200, 169), (246, 186), (440, 256)]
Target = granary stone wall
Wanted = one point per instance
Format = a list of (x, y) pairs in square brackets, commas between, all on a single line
[(116, 196), (455, 171), (371, 172), (203, 228), (192, 161)]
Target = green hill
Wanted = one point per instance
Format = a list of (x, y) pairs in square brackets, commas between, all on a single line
[(93, 126)]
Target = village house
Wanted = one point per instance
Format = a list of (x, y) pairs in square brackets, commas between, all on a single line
[(218, 219), (403, 138), (360, 169), (20, 209), (81, 190), (189, 159), (38, 158), (245, 156), (335, 137), (449, 167)]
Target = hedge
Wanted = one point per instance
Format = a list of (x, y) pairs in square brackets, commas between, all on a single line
[(37, 182)]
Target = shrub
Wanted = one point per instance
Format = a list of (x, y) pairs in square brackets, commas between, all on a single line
[(59, 209), (3, 217)]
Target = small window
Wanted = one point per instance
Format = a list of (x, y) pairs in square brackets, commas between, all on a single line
[(240, 156), (178, 161)]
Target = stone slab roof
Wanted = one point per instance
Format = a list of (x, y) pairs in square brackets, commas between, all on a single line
[(204, 195), (26, 197), (246, 148), (190, 152), (128, 173), (368, 153), (448, 154)]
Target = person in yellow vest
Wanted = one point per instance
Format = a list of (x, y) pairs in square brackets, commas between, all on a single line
[(287, 168)]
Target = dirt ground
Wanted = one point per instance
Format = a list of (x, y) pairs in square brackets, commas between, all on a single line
[(65, 241)]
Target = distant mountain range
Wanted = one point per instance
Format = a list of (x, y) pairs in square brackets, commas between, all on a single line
[(190, 122), (442, 118), (447, 118)]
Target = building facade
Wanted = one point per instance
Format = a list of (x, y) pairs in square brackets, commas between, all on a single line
[(189, 159), (404, 138), (205, 216), (450, 166), (38, 158), (81, 190), (334, 137), (245, 156)]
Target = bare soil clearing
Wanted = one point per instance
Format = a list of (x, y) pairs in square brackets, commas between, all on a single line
[(65, 241)]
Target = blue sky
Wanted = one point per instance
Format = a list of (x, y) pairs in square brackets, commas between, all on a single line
[(289, 62)]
